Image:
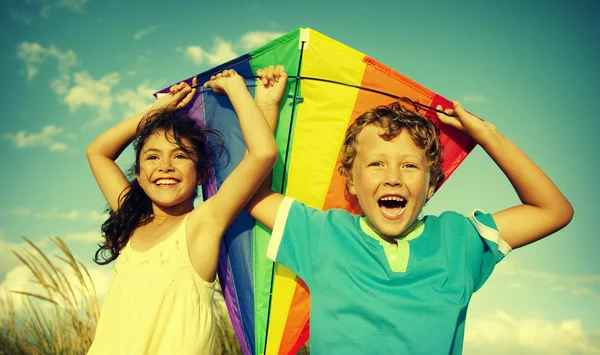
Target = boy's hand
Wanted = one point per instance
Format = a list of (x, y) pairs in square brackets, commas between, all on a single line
[(221, 82), (270, 86), (479, 130), (180, 95)]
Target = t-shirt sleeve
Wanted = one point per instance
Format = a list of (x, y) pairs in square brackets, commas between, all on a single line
[(492, 249), (294, 241)]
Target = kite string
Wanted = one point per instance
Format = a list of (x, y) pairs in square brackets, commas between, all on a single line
[(300, 77)]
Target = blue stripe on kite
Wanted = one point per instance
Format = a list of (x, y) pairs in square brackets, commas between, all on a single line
[(236, 249)]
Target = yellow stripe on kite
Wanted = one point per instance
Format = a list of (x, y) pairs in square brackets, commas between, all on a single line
[(320, 125), (322, 117)]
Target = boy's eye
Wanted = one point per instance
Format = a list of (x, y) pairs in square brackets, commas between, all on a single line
[(181, 156), (375, 163), (410, 166), (151, 157)]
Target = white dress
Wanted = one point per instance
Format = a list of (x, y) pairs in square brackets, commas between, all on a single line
[(157, 303)]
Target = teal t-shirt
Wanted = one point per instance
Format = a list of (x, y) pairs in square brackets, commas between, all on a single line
[(362, 302)]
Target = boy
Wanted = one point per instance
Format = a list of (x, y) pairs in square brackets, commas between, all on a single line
[(387, 281)]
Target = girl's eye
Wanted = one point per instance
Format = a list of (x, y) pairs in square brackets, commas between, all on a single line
[(376, 164), (410, 166), (180, 156), (151, 157)]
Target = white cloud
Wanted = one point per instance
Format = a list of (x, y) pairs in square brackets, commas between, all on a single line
[(137, 100), (82, 214), (195, 54), (575, 284), (255, 39), (49, 5), (474, 98), (94, 94), (144, 32), (19, 278), (61, 84), (73, 5), (34, 54), (45, 138), (221, 52), (501, 333), (8, 260), (20, 211), (94, 236)]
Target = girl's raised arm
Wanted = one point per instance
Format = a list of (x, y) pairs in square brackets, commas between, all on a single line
[(208, 224), (105, 149)]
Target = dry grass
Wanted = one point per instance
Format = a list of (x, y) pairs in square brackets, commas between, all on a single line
[(62, 318)]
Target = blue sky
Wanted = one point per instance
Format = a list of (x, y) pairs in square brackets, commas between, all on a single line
[(73, 68)]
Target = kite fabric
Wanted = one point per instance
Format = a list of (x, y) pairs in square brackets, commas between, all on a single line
[(330, 85)]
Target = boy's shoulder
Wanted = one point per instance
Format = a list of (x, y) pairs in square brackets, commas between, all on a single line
[(446, 216), (336, 215)]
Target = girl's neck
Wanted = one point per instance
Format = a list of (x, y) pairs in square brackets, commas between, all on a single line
[(160, 213)]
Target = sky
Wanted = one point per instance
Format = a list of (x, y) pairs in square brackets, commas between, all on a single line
[(73, 68)]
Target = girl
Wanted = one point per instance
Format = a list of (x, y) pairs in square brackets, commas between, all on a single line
[(160, 300)]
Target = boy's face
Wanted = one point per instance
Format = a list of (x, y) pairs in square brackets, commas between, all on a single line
[(391, 181)]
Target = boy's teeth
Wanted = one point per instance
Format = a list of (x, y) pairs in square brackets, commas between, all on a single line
[(392, 198)]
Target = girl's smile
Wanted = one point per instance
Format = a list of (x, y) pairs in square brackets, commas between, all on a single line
[(167, 173)]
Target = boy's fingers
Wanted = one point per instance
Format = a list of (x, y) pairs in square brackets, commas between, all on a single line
[(282, 72)]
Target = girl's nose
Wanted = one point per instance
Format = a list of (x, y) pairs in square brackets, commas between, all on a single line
[(165, 165)]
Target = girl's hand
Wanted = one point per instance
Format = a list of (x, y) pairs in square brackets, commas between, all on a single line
[(221, 82), (270, 86), (481, 131), (180, 95)]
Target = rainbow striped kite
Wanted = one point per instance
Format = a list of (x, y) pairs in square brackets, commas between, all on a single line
[(330, 85)]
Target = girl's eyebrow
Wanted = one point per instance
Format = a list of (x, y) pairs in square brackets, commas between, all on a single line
[(152, 150), (149, 150)]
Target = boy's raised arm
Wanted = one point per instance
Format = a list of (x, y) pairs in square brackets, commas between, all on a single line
[(270, 89), (544, 209)]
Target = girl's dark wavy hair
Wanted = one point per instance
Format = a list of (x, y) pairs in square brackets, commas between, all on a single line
[(135, 207)]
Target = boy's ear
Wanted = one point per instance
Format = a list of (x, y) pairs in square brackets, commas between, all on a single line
[(431, 190), (350, 186)]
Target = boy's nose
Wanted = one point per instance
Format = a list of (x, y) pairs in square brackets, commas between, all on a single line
[(393, 179)]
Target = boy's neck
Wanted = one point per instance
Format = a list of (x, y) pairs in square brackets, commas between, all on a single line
[(410, 233)]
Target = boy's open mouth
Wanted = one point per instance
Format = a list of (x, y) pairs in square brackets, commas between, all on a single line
[(392, 206)]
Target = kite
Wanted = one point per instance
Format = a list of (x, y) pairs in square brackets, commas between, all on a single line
[(329, 85)]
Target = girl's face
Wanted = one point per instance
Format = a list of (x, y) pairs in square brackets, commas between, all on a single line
[(167, 174)]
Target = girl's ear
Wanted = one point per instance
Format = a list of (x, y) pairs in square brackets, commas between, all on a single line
[(202, 176)]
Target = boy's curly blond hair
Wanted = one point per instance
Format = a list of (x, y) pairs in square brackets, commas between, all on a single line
[(394, 118)]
